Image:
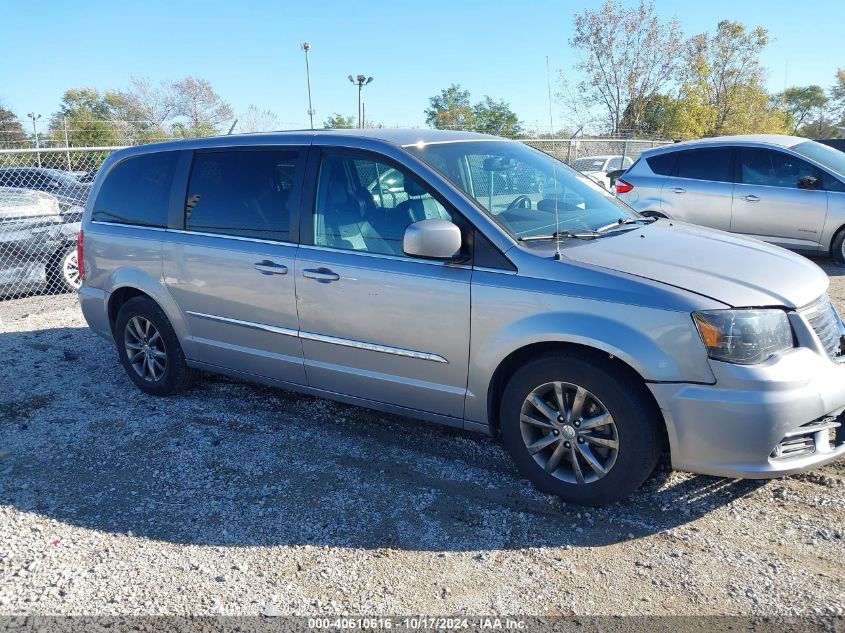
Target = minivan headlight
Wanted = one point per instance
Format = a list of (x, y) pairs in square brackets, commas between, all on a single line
[(744, 337)]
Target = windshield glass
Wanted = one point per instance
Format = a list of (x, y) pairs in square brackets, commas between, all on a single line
[(520, 187), (588, 164), (826, 156), (63, 178)]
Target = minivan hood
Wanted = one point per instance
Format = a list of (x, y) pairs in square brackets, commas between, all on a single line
[(736, 270)]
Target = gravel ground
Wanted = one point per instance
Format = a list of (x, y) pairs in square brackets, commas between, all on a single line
[(241, 499)]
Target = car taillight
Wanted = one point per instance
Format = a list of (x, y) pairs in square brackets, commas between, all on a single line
[(80, 261), (623, 186)]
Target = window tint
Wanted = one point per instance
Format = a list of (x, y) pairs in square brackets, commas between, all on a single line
[(137, 190), (706, 164), (773, 169), (246, 193), (662, 164), (366, 205), (831, 183)]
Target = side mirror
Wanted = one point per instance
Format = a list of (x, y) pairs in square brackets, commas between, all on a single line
[(808, 182), (432, 239)]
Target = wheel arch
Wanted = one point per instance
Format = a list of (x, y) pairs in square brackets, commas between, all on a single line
[(527, 353)]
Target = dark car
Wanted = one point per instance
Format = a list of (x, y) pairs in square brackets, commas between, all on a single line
[(835, 143), (70, 193), (37, 248)]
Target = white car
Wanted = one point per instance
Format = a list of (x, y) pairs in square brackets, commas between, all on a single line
[(597, 167)]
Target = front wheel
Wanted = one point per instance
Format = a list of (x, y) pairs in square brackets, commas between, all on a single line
[(580, 429), (837, 249)]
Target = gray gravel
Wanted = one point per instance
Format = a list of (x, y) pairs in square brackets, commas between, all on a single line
[(241, 499)]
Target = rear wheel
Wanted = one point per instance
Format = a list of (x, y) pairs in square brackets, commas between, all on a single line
[(63, 272), (149, 349), (580, 429)]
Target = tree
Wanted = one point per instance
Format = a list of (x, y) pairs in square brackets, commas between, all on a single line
[(627, 56), (12, 135), (255, 120), (338, 122), (203, 109), (726, 67), (837, 97), (85, 119), (450, 110), (495, 117), (801, 103)]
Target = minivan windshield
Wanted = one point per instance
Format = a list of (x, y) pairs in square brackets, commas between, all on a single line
[(824, 155), (521, 188)]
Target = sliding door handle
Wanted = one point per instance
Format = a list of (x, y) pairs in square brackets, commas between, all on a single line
[(679, 190), (320, 274), (752, 198), (266, 267)]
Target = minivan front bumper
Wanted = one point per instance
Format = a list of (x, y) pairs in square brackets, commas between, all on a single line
[(757, 421)]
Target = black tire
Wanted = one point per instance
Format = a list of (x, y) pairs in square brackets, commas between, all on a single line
[(836, 249), (175, 376), (58, 278), (636, 426)]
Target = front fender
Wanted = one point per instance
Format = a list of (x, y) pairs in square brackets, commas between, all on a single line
[(660, 345)]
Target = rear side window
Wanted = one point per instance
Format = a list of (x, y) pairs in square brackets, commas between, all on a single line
[(706, 164), (245, 193), (662, 164), (137, 190)]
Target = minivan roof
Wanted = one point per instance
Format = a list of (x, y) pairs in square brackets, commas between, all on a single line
[(781, 140), (400, 137)]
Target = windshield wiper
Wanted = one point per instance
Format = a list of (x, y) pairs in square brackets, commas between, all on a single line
[(623, 222), (581, 235)]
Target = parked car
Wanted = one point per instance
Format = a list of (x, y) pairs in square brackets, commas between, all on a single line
[(36, 247), (587, 336), (785, 190), (70, 192), (597, 167)]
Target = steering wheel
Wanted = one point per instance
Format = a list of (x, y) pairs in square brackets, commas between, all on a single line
[(520, 202)]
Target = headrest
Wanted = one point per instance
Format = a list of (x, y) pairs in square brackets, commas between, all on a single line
[(413, 187)]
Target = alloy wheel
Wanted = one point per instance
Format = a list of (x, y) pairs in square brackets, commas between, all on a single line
[(145, 349), (70, 269), (569, 432)]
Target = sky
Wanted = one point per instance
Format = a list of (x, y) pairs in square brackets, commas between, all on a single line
[(250, 50)]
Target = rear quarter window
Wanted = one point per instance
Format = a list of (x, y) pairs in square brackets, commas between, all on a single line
[(662, 164), (137, 190)]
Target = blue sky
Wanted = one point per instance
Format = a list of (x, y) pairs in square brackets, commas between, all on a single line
[(249, 50)]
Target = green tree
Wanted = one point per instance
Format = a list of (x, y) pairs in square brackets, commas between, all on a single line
[(338, 122), (805, 107), (495, 117), (450, 110), (12, 135), (85, 119), (837, 97)]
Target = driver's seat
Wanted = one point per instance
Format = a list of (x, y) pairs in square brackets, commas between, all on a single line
[(419, 205)]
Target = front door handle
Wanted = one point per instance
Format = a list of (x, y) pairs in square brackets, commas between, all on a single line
[(679, 190), (266, 267), (752, 198), (320, 274)]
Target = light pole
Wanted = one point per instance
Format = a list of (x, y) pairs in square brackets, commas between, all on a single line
[(307, 47), (360, 81), (34, 118)]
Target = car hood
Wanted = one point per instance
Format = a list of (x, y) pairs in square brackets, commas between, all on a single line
[(736, 270)]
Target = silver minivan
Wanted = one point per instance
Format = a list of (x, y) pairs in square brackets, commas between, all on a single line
[(472, 281), (785, 190)]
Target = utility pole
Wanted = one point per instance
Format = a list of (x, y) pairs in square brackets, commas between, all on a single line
[(360, 81), (67, 143), (34, 118), (307, 47)]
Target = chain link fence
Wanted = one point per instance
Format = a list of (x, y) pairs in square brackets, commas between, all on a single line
[(42, 195), (43, 192)]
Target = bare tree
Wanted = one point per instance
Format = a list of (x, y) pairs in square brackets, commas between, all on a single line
[(204, 109), (627, 56), (256, 120), (154, 105)]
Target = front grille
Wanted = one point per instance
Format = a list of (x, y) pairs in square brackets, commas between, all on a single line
[(826, 324), (819, 435)]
